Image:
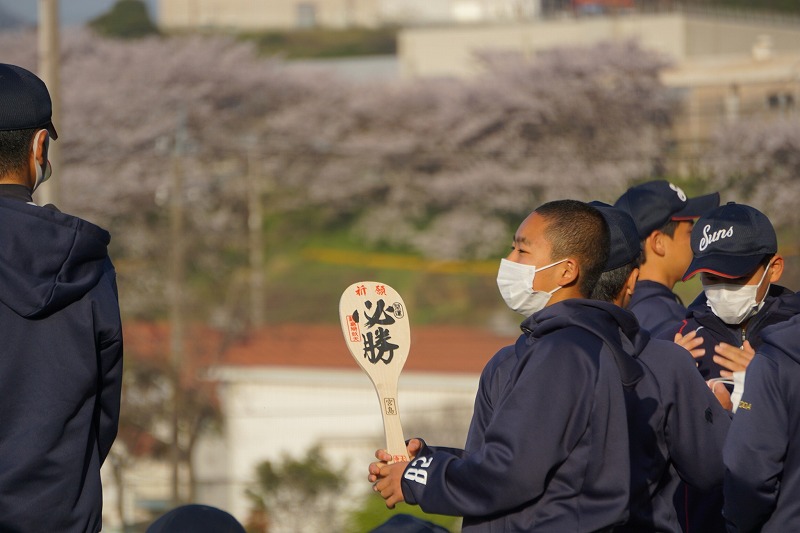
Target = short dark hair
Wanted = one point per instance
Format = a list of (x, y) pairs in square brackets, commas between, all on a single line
[(15, 146), (667, 229), (576, 229), (613, 281)]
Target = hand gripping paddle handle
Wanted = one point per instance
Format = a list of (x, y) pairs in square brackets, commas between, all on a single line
[(376, 330)]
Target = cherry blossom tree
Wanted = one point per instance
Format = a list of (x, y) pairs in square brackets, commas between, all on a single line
[(443, 165), (137, 112), (758, 162)]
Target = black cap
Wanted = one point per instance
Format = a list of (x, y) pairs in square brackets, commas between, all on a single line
[(731, 241), (196, 518), (653, 204), (24, 101), (626, 246)]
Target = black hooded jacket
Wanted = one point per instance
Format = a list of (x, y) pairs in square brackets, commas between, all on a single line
[(552, 452), (60, 367), (676, 426), (762, 453)]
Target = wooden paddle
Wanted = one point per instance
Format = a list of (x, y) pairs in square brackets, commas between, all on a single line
[(376, 331)]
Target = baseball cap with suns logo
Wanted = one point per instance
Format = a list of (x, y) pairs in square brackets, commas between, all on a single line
[(653, 204), (731, 241)]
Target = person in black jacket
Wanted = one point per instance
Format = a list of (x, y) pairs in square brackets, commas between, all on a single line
[(551, 452), (762, 453), (677, 428), (663, 216), (736, 254), (61, 350)]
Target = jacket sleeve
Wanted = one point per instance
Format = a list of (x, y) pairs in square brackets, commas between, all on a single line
[(109, 352), (541, 417), (696, 424), (755, 448)]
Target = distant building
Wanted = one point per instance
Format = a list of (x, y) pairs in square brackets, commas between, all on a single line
[(265, 14), (726, 67), (294, 14)]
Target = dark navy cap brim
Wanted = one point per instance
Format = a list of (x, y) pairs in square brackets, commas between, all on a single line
[(51, 130), (724, 266), (697, 207)]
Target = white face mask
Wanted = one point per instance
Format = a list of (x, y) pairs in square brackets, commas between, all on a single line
[(732, 303), (42, 174), (515, 282)]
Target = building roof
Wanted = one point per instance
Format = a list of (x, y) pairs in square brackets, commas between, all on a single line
[(439, 349)]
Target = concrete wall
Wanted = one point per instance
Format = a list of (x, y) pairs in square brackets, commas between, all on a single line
[(706, 36), (264, 14), (285, 14), (449, 51)]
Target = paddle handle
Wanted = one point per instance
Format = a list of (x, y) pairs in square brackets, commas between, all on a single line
[(395, 443)]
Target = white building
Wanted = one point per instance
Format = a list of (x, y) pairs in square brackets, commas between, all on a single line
[(724, 67), (290, 14)]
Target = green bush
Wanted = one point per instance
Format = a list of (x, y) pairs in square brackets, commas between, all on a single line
[(326, 43), (128, 19)]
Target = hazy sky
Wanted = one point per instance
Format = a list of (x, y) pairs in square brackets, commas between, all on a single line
[(73, 12)]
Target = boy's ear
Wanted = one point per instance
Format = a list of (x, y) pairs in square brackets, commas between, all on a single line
[(655, 243), (633, 277), (776, 268), (569, 272)]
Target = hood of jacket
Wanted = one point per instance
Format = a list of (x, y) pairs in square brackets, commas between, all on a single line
[(617, 327), (48, 259), (652, 289), (784, 337)]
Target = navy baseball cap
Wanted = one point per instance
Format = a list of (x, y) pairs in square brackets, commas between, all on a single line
[(24, 101), (731, 241), (626, 246), (653, 204), (196, 518)]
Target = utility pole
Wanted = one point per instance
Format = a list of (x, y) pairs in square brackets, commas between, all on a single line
[(49, 71), (177, 268), (255, 225)]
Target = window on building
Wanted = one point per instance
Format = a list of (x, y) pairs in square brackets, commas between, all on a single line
[(780, 101), (306, 15)]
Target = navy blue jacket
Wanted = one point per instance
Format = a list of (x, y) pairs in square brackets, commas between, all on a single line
[(552, 455), (762, 454), (677, 429), (780, 304), (702, 510), (676, 425), (655, 306), (60, 368)]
